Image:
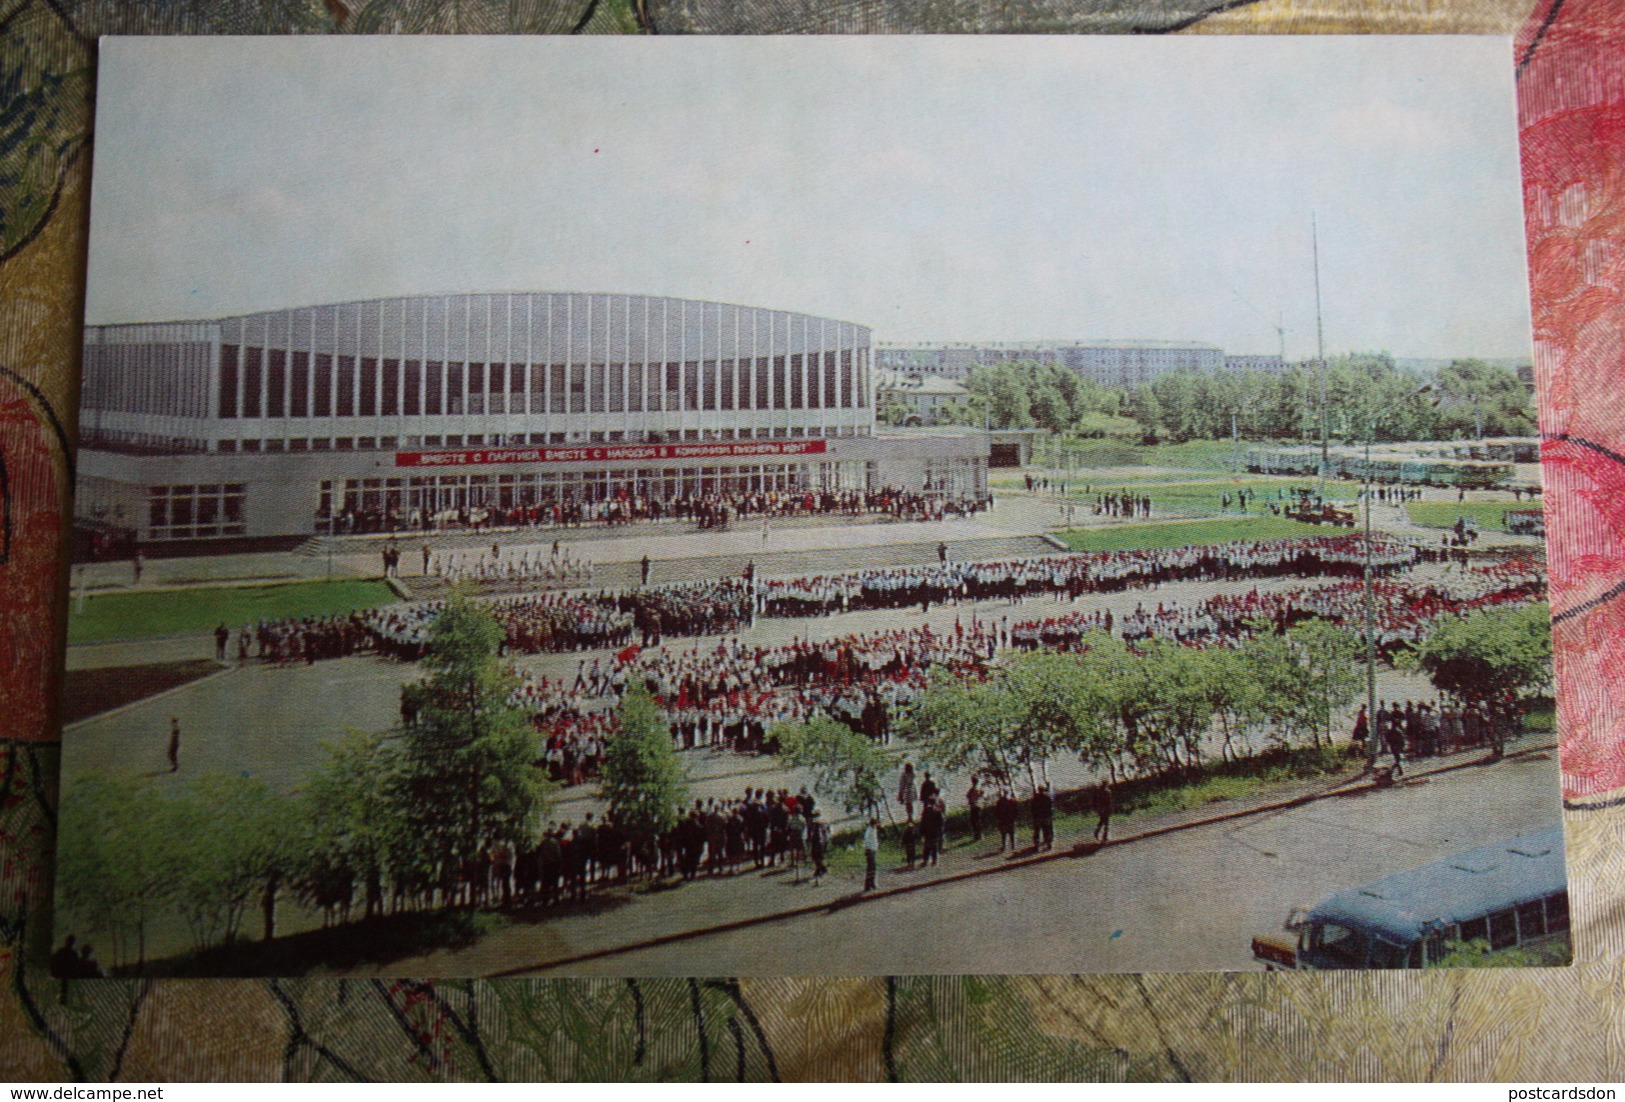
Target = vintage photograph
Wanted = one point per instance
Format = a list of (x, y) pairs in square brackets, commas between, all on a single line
[(732, 507)]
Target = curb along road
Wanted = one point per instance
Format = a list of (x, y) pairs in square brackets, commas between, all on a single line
[(1353, 787)]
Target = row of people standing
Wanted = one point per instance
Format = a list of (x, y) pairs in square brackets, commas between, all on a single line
[(1412, 730)]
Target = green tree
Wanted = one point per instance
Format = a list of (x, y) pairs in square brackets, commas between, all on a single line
[(233, 834), (960, 723), (1235, 695), (117, 861), (353, 825), (644, 780), (1482, 399), (1304, 678), (469, 775), (1061, 702), (1147, 410), (890, 409), (1177, 707), (1003, 393), (1490, 658), (1179, 394), (1329, 674), (1035, 707), (845, 764)]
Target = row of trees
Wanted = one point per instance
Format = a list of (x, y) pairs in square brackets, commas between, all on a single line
[(1158, 708), (1161, 709), (1470, 398), (402, 814)]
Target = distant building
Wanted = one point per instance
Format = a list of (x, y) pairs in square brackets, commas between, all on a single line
[(339, 417), (924, 396), (1128, 363), (1266, 365)]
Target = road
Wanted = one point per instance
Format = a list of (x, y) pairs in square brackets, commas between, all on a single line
[(1188, 901)]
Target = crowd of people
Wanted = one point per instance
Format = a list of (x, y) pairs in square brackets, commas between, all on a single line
[(533, 623), (1401, 612), (762, 829), (709, 510), (303, 639), (730, 696), (557, 621), (643, 617), (1399, 495), (1070, 576), (1411, 730), (559, 566), (719, 510), (1122, 504)]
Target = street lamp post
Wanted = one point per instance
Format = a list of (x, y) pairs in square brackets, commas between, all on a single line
[(1371, 747)]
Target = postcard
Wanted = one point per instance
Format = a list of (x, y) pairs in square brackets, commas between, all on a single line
[(807, 506)]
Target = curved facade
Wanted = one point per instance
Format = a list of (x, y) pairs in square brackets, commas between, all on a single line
[(502, 369), (320, 418)]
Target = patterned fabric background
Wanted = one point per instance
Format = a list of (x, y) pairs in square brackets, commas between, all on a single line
[(1558, 1024)]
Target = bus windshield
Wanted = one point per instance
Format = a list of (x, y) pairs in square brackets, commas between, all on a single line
[(1343, 946)]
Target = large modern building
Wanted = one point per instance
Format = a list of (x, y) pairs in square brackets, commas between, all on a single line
[(1129, 363), (277, 423)]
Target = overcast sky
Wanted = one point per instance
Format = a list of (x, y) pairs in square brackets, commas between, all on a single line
[(932, 188)]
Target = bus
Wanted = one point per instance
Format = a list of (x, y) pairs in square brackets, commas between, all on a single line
[(1510, 893)]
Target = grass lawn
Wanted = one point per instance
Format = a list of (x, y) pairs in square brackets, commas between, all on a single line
[(1147, 537), (181, 611), (1201, 455), (1206, 495), (1490, 515), (1542, 717), (92, 692)]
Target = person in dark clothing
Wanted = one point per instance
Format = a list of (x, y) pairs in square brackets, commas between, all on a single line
[(909, 840), (1004, 813), (1104, 806), (871, 854), (1043, 819), (65, 964), (817, 846), (88, 968), (1394, 738), (174, 744), (973, 801), (931, 822)]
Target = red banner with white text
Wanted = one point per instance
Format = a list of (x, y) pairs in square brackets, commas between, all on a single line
[(610, 453)]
